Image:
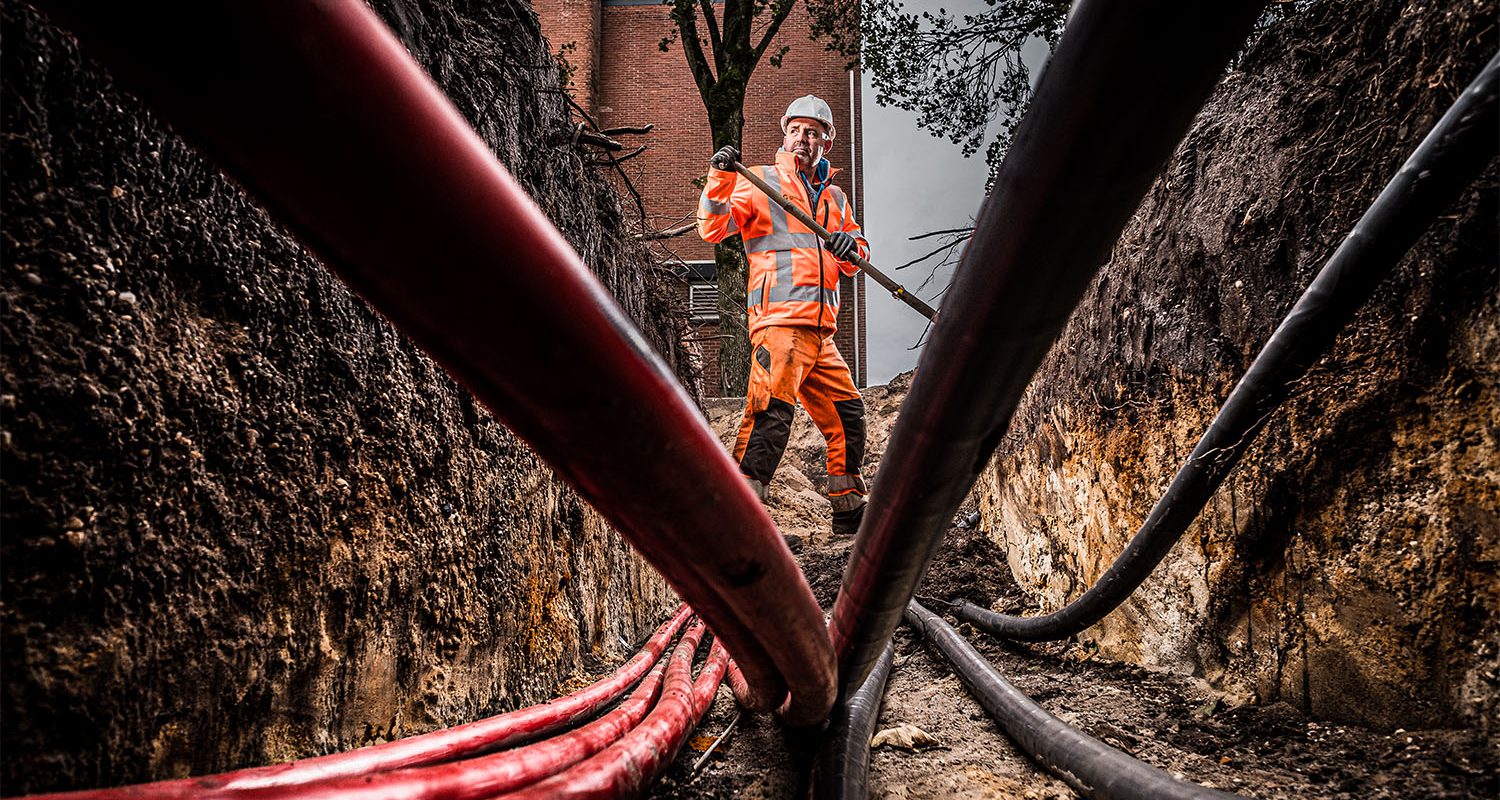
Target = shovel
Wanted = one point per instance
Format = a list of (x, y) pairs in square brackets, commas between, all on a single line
[(897, 290)]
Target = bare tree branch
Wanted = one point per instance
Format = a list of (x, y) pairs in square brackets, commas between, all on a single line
[(670, 233), (636, 131), (948, 246), (715, 42), (596, 140), (686, 17), (930, 234), (579, 133), (780, 10), (624, 158)]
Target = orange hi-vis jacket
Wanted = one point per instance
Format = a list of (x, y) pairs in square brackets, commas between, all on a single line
[(793, 279)]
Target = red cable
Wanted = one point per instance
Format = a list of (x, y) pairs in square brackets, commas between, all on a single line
[(629, 766), (429, 748), (486, 776), (323, 115)]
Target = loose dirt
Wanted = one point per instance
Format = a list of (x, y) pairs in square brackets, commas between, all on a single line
[(1173, 722)]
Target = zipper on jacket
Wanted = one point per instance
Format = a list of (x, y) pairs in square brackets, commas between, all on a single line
[(821, 281)]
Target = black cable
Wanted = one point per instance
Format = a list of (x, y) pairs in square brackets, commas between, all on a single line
[(1088, 765), (1457, 149), (842, 771), (1113, 102)]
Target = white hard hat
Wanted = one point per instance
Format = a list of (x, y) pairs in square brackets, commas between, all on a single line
[(809, 107)]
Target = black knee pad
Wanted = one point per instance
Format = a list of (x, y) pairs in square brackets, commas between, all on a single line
[(768, 438), (852, 415)]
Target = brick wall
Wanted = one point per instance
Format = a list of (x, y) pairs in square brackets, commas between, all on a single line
[(634, 82), (572, 28)]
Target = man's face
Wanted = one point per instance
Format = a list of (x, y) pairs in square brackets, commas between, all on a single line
[(807, 139)]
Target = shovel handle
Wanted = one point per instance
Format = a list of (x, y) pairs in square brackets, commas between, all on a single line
[(897, 290)]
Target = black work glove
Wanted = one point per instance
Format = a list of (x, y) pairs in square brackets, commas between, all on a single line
[(725, 158), (842, 245)]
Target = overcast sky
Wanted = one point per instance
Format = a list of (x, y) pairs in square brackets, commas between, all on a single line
[(914, 184)]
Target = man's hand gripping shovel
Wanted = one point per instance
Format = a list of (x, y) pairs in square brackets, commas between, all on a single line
[(897, 290)]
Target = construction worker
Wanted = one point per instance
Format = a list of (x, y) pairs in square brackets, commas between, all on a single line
[(793, 304)]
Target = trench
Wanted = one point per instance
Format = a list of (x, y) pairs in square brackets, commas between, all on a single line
[(745, 595)]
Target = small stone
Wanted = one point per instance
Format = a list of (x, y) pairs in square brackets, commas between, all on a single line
[(75, 538), (73, 524), (7, 401), (33, 278), (128, 298), (1239, 284), (906, 737), (116, 192), (341, 483)]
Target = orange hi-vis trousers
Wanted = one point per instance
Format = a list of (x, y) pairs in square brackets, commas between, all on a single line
[(790, 364)]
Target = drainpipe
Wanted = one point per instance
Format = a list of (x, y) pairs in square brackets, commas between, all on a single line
[(855, 279)]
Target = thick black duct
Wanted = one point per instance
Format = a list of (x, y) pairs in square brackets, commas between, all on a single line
[(1457, 149), (1116, 97), (1088, 765)]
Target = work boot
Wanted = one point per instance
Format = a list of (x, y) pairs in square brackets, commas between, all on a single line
[(762, 491), (846, 523)]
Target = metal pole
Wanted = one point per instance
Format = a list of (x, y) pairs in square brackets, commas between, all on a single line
[(858, 214)]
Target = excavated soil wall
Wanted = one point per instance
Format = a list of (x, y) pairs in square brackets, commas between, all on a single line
[(1348, 566), (244, 520)]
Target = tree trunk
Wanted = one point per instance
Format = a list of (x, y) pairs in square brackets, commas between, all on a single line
[(726, 119), (734, 334)]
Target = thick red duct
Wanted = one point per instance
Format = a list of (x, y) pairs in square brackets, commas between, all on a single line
[(485, 776), (430, 748), (629, 766), (322, 114)]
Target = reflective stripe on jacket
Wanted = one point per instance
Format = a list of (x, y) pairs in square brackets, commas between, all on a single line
[(793, 279)]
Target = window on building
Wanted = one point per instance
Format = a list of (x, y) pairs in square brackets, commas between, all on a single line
[(703, 302)]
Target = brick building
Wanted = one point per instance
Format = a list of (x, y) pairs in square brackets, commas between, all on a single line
[(623, 78)]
